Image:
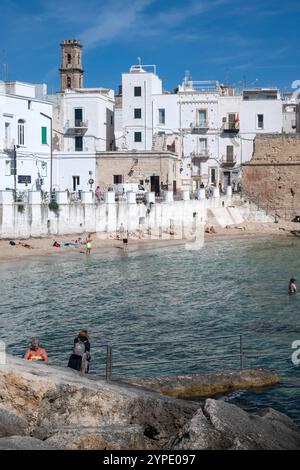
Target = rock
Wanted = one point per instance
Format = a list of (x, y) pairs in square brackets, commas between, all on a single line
[(23, 443), (209, 384), (56, 397), (225, 426), (199, 434), (104, 438), (71, 411), (11, 424), (269, 430)]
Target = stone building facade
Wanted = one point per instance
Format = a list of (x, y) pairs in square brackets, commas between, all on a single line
[(71, 71), (272, 178), (156, 171)]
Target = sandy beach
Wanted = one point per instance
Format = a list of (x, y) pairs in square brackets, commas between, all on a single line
[(44, 246)]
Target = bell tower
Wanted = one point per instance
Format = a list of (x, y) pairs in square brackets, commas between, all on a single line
[(71, 71)]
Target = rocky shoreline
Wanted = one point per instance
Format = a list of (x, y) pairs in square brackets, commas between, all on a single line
[(49, 407)]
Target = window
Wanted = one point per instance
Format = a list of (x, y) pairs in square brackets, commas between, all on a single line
[(7, 134), (203, 146), (231, 120), (137, 91), (213, 175), (9, 167), (260, 121), (21, 132), (229, 153), (162, 116), (69, 58), (29, 104), (78, 143), (44, 135), (138, 137), (78, 117), (202, 116), (69, 82), (118, 179), (138, 113)]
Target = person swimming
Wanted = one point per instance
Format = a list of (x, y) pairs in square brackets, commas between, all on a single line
[(292, 286)]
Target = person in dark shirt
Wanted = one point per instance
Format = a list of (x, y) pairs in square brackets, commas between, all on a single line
[(80, 357)]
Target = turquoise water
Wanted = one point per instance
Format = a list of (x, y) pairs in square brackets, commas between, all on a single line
[(169, 294)]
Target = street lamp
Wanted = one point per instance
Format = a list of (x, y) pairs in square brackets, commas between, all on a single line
[(51, 151)]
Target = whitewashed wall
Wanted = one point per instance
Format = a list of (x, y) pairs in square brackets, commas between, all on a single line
[(30, 155), (37, 220)]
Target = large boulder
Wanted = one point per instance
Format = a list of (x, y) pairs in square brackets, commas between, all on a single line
[(225, 426), (103, 438), (11, 424), (52, 398), (23, 443), (209, 384)]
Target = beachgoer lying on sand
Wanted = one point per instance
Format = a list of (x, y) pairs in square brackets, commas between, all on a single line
[(210, 229), (56, 244), (24, 245)]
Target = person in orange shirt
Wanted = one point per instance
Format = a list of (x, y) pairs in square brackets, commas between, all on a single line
[(36, 352)]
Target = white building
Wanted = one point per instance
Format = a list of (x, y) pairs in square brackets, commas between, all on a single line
[(25, 137), (214, 128), (83, 125)]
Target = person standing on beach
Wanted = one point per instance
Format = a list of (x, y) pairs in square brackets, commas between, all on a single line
[(80, 357), (88, 244), (121, 232), (125, 241), (292, 286)]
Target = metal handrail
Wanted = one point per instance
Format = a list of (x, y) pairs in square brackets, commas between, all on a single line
[(172, 341), (109, 353)]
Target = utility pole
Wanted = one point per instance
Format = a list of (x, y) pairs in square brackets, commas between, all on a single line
[(51, 151)]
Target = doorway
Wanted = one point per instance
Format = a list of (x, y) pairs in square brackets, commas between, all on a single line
[(76, 182), (155, 187), (226, 179), (174, 187)]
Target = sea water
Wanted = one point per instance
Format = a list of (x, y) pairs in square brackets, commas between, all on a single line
[(164, 311)]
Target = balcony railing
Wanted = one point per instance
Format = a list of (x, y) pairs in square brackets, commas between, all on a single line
[(7, 144), (200, 125), (76, 127), (196, 172), (201, 156), (231, 127), (228, 161)]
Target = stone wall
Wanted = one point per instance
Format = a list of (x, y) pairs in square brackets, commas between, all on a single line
[(272, 178), (136, 167), (35, 219)]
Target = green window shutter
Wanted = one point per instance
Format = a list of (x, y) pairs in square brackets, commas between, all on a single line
[(44, 135)]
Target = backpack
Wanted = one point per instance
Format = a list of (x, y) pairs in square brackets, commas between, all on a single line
[(79, 349)]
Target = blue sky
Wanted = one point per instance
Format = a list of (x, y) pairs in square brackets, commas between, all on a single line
[(233, 41)]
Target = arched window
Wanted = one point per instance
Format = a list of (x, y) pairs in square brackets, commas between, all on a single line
[(21, 132), (69, 82), (69, 58)]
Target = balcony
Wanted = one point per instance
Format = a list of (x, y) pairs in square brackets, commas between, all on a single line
[(200, 126), (7, 145), (76, 128), (195, 172), (228, 161), (231, 127), (201, 156)]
